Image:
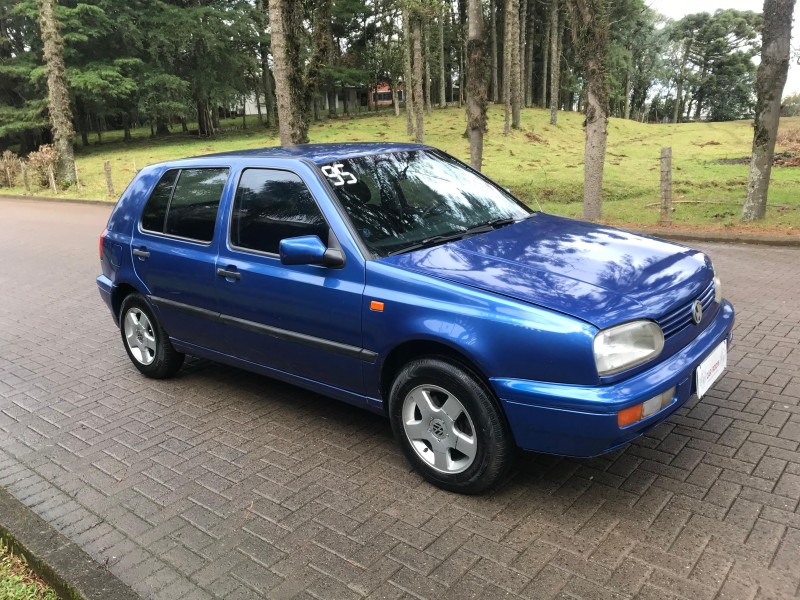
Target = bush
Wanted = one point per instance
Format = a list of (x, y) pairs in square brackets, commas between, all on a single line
[(10, 167), (40, 163), (790, 139)]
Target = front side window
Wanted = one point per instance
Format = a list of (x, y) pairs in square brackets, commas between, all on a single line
[(402, 200), (185, 202), (272, 205)]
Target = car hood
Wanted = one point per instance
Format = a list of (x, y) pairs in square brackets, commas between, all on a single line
[(599, 274)]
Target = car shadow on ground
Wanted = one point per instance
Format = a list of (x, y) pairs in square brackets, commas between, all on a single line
[(343, 425)]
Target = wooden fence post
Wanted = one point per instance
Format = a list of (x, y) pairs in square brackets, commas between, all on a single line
[(52, 179), (109, 183), (77, 179), (665, 220)]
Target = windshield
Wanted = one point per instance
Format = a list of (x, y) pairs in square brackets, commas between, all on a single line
[(405, 200)]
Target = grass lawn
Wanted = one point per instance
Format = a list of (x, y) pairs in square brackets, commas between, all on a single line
[(18, 582), (539, 162)]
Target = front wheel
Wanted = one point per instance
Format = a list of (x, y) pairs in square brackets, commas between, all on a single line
[(145, 341), (450, 425)]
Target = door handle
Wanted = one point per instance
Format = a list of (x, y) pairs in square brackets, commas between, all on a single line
[(229, 274), (141, 252)]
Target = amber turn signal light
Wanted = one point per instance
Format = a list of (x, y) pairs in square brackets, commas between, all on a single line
[(376, 306), (629, 415)]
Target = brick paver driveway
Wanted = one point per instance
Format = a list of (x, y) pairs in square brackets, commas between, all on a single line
[(221, 483)]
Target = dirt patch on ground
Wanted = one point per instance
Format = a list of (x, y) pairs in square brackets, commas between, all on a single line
[(532, 137), (794, 161), (711, 143), (782, 159)]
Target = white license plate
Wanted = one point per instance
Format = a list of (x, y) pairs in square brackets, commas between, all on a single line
[(711, 368)]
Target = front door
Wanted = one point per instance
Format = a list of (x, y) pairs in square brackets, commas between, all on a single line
[(300, 319)]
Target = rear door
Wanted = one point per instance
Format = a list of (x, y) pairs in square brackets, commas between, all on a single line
[(175, 249), (301, 319)]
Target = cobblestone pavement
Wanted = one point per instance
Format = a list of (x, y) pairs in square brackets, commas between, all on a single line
[(220, 483)]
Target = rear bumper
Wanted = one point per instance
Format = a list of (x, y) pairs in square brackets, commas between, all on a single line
[(105, 287), (582, 420)]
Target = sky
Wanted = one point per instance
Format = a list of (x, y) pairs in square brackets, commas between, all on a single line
[(675, 9)]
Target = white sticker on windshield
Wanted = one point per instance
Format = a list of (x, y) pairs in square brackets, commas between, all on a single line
[(338, 175)]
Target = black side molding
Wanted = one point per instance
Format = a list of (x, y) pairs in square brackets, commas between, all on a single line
[(362, 354)]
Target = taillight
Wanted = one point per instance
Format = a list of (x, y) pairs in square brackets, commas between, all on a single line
[(102, 235)]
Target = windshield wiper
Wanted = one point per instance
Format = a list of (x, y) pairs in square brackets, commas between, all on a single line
[(431, 241), (457, 235), (490, 226)]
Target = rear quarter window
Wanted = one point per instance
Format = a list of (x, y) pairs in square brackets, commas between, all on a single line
[(185, 203)]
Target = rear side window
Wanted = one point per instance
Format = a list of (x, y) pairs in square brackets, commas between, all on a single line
[(272, 205), (154, 215), (185, 203)]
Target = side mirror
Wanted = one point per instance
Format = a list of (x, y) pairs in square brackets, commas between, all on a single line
[(309, 250)]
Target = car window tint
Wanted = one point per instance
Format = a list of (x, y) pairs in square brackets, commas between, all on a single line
[(270, 206), (155, 211), (193, 210)]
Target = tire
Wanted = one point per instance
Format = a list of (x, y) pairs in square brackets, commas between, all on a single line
[(450, 426), (145, 341)]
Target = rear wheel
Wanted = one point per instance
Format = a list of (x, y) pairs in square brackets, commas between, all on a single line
[(145, 341), (450, 425)]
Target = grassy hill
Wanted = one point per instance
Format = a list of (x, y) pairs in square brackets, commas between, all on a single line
[(539, 162)]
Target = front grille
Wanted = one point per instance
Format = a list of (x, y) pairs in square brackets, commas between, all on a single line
[(680, 318)]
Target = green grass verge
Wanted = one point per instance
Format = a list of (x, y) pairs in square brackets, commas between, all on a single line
[(18, 581), (538, 162)]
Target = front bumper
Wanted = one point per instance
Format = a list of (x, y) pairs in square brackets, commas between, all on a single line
[(582, 420)]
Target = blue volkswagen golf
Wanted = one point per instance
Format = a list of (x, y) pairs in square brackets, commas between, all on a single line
[(398, 279)]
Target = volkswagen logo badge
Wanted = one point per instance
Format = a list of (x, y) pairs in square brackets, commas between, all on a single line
[(697, 312)]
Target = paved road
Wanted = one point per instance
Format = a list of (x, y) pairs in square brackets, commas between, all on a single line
[(225, 484)]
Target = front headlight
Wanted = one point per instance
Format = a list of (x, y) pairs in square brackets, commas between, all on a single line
[(717, 290), (625, 346)]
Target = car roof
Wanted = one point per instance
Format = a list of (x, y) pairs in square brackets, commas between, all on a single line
[(322, 153)]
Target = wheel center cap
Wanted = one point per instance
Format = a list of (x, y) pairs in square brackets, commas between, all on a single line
[(438, 429)]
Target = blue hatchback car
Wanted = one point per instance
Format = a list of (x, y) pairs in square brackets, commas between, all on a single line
[(398, 279)]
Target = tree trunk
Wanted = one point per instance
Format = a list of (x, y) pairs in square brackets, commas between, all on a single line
[(442, 91), (289, 85), (510, 64), (529, 55), (627, 107), (83, 120), (263, 50), (770, 80), (395, 103), (57, 92), (408, 78), (590, 36), (426, 33), (555, 67), (126, 127), (332, 101), (493, 45), (419, 107), (676, 111), (546, 42), (477, 101), (162, 126), (203, 129), (522, 26), (516, 66)]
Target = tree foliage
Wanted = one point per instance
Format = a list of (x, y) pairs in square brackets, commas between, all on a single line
[(168, 62)]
